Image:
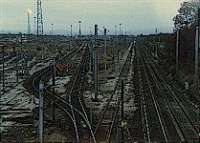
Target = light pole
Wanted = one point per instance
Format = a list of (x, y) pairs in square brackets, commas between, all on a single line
[(29, 24)]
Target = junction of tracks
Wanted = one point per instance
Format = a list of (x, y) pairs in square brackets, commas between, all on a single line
[(96, 94)]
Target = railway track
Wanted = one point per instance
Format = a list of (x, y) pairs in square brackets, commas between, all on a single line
[(74, 107), (44, 74), (137, 121), (192, 107), (75, 95), (9, 73), (122, 76), (164, 117), (153, 118), (184, 125)]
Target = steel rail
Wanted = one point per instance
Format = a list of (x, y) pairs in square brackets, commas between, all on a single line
[(70, 98), (146, 79), (76, 110), (112, 126), (62, 103), (143, 109), (42, 74), (116, 112), (174, 97), (156, 105), (174, 120), (176, 123), (115, 89), (83, 109), (81, 65)]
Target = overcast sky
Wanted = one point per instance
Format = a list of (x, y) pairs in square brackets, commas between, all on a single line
[(136, 16)]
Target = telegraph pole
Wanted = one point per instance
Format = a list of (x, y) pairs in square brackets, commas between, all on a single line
[(79, 28), (41, 91), (196, 77), (71, 37), (114, 47), (1, 121), (51, 29), (95, 48), (199, 121), (35, 25), (71, 30), (90, 31), (53, 83), (177, 50), (105, 50), (17, 71), (20, 53), (156, 44), (2, 90), (120, 29), (115, 30), (22, 56), (122, 111), (43, 51), (105, 34), (196, 56), (197, 64)]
